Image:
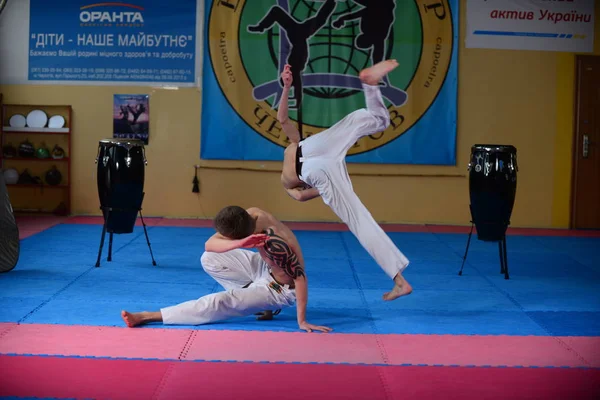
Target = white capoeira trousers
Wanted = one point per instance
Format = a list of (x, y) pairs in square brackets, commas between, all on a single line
[(324, 168), (233, 270)]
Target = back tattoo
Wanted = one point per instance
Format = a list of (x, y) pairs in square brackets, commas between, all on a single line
[(279, 252)]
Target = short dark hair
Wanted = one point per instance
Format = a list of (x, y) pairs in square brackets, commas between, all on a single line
[(234, 222)]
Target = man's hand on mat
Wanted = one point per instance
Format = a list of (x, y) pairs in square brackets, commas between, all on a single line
[(256, 240), (310, 327)]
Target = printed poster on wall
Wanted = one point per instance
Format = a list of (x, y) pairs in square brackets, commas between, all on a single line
[(531, 25), (327, 43), (131, 117), (145, 41)]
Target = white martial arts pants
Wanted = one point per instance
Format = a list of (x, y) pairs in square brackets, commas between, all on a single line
[(324, 168), (233, 270)]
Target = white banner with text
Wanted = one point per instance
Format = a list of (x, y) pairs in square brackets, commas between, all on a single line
[(547, 25)]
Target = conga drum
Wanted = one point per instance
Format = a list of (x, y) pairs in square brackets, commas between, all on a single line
[(492, 188), (121, 173), (9, 231)]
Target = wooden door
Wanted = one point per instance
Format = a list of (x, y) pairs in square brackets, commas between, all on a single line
[(585, 212)]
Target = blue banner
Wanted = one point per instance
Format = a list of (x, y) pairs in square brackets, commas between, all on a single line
[(327, 43), (146, 41)]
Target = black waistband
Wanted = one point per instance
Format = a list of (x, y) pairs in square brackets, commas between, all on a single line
[(279, 283), (298, 162)]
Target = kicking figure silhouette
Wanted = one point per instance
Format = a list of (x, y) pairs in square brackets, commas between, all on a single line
[(376, 19), (298, 33)]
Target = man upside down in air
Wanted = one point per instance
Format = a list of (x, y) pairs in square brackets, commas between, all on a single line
[(316, 166)]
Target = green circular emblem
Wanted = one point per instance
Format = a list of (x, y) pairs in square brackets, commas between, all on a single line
[(328, 43)]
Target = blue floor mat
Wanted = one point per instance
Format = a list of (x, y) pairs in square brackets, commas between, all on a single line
[(559, 323), (17, 308), (552, 290), (456, 322)]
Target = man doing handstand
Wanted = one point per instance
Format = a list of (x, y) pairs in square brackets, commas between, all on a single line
[(254, 282), (316, 166)]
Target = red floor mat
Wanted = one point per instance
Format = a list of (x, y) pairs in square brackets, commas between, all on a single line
[(127, 379)]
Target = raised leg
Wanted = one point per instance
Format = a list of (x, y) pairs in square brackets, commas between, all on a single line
[(147, 238), (361, 123), (339, 138), (376, 118)]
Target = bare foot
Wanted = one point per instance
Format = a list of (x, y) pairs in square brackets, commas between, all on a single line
[(141, 318), (403, 289), (372, 75), (131, 319)]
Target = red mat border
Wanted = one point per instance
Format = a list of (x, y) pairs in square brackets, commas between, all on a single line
[(66, 377)]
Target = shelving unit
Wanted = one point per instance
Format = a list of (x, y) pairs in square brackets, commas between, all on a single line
[(32, 197)]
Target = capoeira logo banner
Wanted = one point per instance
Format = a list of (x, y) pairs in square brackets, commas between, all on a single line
[(327, 43)]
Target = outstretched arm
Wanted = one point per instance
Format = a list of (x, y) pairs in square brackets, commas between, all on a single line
[(221, 244), (283, 255), (282, 114)]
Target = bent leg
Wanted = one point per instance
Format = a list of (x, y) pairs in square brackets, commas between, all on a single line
[(224, 305), (376, 107), (233, 269), (339, 138)]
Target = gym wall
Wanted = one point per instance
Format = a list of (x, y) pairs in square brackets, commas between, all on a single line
[(523, 98)]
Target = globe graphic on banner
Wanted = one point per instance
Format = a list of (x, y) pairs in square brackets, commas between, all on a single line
[(335, 56), (327, 43), (332, 51)]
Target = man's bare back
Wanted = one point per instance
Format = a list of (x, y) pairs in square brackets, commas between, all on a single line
[(281, 251)]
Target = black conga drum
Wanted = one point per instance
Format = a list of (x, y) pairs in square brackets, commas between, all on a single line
[(492, 187), (121, 168), (9, 231)]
